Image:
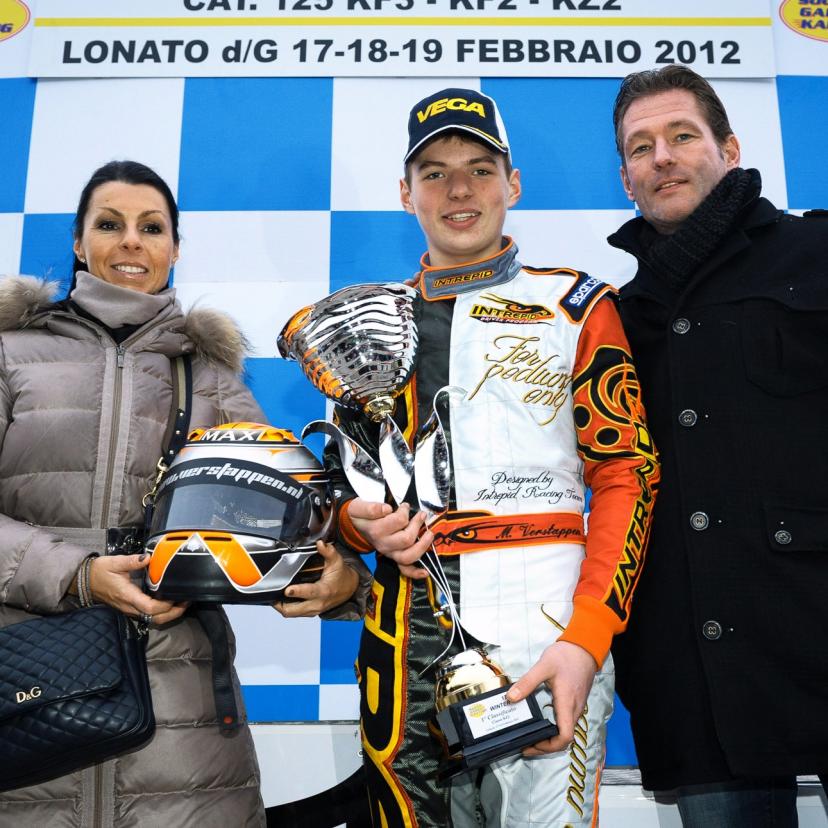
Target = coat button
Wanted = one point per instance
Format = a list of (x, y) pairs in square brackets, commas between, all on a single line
[(783, 536), (681, 325), (712, 630), (699, 521), (688, 418)]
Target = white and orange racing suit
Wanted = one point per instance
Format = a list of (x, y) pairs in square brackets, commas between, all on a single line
[(551, 410)]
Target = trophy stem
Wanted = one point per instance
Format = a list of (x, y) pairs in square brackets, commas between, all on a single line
[(379, 407)]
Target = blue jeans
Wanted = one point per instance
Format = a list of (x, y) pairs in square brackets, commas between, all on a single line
[(755, 803)]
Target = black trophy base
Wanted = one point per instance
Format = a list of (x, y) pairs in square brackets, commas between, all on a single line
[(478, 731)]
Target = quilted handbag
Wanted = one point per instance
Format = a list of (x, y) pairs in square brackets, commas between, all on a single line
[(74, 691)]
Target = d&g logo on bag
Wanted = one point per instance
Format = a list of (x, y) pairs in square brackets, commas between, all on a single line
[(27, 695), (14, 16), (436, 107), (510, 311)]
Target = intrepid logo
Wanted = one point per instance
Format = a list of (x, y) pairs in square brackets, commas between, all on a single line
[(510, 311), (436, 107), (477, 710), (462, 278), (806, 17)]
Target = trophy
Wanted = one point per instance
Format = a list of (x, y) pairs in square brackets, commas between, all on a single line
[(358, 347), (477, 723)]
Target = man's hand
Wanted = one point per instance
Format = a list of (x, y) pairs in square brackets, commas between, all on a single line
[(110, 583), (336, 585), (393, 533), (568, 671)]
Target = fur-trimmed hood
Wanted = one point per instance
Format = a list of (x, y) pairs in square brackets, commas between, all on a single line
[(215, 336), (23, 297)]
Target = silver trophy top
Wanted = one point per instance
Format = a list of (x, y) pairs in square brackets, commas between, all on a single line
[(357, 345)]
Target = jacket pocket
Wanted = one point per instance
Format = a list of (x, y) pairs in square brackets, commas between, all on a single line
[(796, 528), (785, 350)]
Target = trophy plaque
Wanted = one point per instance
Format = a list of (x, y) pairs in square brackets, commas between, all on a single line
[(478, 724)]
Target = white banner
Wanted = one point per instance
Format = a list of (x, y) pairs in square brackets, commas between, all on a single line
[(344, 38)]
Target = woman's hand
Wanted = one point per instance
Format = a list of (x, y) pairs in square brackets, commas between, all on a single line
[(336, 585), (110, 583)]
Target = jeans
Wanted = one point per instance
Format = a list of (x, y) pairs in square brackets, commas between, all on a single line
[(755, 803)]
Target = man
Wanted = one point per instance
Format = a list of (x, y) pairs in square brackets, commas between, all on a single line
[(550, 407), (724, 665)]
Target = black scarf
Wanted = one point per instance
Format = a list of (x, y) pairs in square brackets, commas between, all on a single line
[(678, 256)]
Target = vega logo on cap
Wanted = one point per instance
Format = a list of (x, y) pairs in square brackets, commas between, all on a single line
[(14, 16), (436, 107)]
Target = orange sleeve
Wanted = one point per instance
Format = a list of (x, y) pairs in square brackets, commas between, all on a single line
[(348, 533), (621, 469)]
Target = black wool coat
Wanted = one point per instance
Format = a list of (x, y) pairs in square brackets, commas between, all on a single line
[(724, 666)]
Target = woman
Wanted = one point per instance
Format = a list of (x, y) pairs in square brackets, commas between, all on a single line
[(85, 396)]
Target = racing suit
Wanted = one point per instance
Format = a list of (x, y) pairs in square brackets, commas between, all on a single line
[(551, 407)]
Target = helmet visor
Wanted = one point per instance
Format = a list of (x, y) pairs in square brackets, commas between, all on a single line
[(233, 497)]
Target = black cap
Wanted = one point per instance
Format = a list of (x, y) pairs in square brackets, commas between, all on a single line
[(465, 109)]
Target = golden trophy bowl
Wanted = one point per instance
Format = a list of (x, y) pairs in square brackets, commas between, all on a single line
[(467, 674)]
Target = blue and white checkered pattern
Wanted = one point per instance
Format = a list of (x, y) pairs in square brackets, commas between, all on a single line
[(289, 190)]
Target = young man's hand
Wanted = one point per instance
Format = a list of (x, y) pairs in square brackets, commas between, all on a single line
[(568, 671), (393, 533)]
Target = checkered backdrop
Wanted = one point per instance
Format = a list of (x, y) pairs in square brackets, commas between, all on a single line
[(288, 189)]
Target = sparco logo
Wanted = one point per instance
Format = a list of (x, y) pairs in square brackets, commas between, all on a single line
[(24, 696), (583, 291)]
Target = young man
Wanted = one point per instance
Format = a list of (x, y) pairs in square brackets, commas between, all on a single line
[(551, 408), (723, 665)]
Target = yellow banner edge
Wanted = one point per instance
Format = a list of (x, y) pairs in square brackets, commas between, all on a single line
[(175, 22)]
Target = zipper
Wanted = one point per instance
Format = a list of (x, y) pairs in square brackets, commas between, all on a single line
[(98, 818), (120, 353), (113, 431)]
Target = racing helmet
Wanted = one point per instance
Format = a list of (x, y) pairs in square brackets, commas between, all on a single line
[(237, 516)]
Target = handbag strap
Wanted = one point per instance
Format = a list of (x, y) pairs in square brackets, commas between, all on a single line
[(178, 425), (182, 403)]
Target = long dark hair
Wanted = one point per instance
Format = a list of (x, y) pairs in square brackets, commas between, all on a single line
[(129, 172)]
